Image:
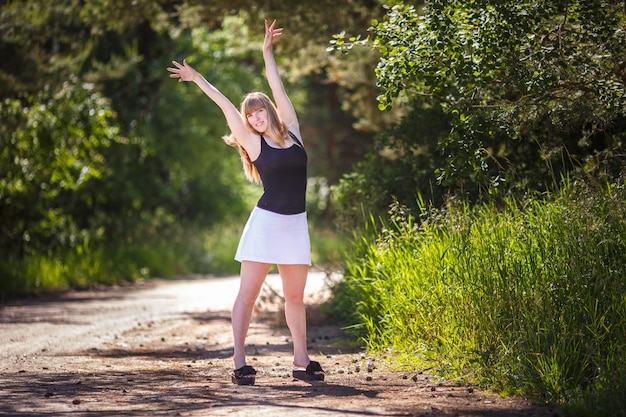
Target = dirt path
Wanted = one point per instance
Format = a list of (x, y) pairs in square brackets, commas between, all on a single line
[(164, 347)]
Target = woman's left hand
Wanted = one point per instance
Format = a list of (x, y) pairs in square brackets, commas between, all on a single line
[(271, 32)]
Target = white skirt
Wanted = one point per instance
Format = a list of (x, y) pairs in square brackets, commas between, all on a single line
[(275, 239)]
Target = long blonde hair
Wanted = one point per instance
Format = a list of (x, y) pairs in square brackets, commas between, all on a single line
[(276, 130)]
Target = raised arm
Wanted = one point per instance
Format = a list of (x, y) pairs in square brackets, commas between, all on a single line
[(284, 105), (245, 138)]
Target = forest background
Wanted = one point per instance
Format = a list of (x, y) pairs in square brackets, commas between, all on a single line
[(472, 150)]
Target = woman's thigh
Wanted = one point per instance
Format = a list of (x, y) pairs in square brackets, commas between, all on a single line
[(252, 276), (294, 281)]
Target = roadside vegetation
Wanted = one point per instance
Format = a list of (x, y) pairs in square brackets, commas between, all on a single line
[(524, 298), (490, 221)]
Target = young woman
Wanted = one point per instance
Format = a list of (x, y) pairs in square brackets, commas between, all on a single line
[(267, 136)]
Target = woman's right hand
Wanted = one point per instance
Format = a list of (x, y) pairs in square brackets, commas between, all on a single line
[(184, 71)]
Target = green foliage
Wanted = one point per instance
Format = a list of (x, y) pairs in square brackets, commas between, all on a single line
[(83, 39), (525, 298), (51, 146), (175, 252), (401, 167), (530, 90)]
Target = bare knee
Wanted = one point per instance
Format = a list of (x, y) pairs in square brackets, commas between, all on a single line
[(246, 299), (294, 300)]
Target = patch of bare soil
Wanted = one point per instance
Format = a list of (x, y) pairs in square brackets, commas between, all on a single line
[(179, 365)]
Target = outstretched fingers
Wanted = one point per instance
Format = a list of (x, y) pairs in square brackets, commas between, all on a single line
[(271, 31), (181, 71), (175, 71)]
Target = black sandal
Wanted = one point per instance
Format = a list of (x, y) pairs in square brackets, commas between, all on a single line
[(245, 375), (313, 372)]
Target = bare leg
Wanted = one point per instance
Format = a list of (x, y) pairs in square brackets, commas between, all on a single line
[(294, 280), (252, 276)]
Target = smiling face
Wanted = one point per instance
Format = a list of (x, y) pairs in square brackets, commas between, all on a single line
[(257, 120), (260, 113)]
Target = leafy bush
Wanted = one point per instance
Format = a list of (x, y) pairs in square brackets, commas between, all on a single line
[(52, 146), (499, 97)]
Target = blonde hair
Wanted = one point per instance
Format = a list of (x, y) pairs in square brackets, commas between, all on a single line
[(276, 130)]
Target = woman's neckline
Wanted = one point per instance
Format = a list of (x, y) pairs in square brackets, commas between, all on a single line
[(276, 147)]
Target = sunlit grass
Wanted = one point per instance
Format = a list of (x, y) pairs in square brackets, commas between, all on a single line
[(94, 263), (527, 298)]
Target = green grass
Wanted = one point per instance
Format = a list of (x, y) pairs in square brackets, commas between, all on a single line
[(176, 251), (98, 263), (528, 298)]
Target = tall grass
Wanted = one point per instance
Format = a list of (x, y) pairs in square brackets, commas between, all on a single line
[(524, 298), (98, 263)]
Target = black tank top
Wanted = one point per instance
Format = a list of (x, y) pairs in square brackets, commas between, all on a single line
[(283, 174)]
